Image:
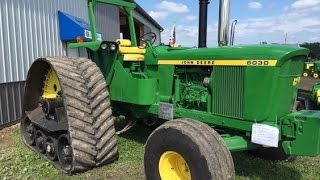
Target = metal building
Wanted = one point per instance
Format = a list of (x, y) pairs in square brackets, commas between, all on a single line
[(30, 29)]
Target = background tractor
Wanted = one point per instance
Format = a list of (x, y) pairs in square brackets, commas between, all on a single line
[(213, 101), (312, 69), (309, 88), (308, 94), (316, 69), (308, 69)]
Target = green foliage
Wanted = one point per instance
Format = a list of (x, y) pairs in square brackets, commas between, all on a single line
[(19, 162), (314, 49)]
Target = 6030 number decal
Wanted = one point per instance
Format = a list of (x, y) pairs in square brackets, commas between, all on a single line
[(257, 63)]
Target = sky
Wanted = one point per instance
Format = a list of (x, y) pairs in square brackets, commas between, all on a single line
[(258, 20)]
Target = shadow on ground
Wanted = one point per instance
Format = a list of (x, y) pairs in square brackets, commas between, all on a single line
[(138, 133), (246, 166), (254, 168)]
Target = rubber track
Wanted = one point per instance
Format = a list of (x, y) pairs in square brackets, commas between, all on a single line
[(90, 120)]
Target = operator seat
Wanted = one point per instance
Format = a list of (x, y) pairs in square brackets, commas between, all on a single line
[(130, 53)]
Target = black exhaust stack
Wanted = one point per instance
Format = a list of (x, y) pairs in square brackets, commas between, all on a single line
[(203, 16)]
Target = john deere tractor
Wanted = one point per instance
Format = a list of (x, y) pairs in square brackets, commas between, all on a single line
[(212, 101), (312, 68), (308, 69)]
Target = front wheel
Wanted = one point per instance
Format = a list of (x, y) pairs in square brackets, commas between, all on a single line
[(185, 149), (315, 75)]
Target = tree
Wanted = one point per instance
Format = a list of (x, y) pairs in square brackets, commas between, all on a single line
[(314, 49)]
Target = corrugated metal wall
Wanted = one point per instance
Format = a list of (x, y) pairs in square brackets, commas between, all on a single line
[(11, 95), (28, 29), (108, 21)]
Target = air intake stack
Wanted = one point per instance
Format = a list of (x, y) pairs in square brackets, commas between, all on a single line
[(203, 16)]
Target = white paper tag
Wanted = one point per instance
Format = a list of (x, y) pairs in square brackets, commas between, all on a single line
[(265, 135), (165, 111)]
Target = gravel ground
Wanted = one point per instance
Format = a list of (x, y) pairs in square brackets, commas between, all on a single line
[(307, 83), (5, 135)]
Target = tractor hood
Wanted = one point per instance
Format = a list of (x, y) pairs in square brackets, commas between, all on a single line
[(277, 54)]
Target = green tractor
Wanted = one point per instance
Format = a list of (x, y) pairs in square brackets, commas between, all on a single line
[(308, 69), (312, 69), (308, 95), (213, 101), (316, 69)]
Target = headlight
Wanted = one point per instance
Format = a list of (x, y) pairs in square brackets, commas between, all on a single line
[(112, 47), (104, 46)]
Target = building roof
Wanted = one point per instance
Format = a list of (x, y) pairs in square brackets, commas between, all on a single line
[(140, 10)]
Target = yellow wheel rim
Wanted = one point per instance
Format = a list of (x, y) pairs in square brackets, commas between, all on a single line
[(305, 74), (173, 166), (51, 86), (315, 75)]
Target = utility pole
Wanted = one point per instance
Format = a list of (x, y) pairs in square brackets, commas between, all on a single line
[(286, 38)]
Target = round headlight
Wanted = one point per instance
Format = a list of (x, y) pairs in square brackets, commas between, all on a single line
[(104, 46), (112, 47)]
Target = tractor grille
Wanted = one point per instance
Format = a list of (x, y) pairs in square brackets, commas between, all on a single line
[(228, 91)]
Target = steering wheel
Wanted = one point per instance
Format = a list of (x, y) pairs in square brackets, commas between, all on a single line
[(150, 38)]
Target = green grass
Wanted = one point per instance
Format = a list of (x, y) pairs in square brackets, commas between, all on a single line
[(19, 162)]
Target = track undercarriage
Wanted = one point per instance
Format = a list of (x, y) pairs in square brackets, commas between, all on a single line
[(68, 117)]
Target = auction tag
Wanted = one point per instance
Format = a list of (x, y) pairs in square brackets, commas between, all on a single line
[(265, 135), (165, 111)]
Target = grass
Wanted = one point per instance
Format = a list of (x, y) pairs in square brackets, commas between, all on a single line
[(19, 162)]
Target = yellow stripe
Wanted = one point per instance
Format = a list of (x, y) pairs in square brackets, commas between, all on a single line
[(219, 62), (124, 42), (133, 57), (131, 50)]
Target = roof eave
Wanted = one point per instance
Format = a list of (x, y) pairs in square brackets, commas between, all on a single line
[(140, 10)]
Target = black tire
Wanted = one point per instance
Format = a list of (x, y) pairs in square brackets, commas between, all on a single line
[(40, 141), (202, 148), (298, 106), (305, 73), (51, 148), (28, 131), (315, 75), (151, 122), (87, 109), (64, 152)]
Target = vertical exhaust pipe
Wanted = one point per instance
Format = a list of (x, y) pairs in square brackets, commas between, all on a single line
[(203, 16), (224, 16), (233, 30)]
